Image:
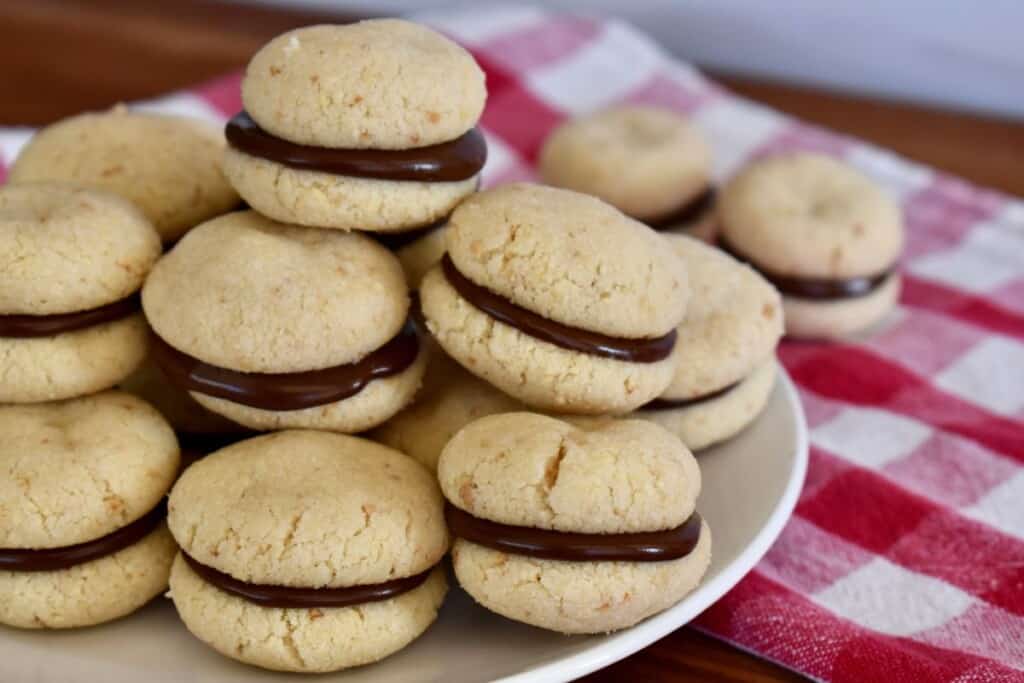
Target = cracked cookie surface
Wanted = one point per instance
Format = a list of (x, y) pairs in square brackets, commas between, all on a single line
[(77, 470), (250, 294), (381, 83), (168, 166), (570, 258), (309, 509), (613, 476)]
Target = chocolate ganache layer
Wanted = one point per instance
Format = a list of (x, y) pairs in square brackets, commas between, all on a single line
[(687, 213), (52, 559), (650, 546), (458, 159), (292, 390), (27, 326), (673, 404), (822, 289), (539, 327), (289, 596)]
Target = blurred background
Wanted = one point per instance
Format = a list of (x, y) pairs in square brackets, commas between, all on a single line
[(954, 53)]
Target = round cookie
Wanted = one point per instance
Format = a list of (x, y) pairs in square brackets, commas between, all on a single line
[(450, 399), (92, 472), (648, 162), (569, 488), (726, 348), (373, 90), (289, 326), (567, 272), (826, 236), (348, 514), (168, 166), (73, 262)]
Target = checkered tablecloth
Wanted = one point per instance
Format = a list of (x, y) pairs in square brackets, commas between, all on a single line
[(904, 560)]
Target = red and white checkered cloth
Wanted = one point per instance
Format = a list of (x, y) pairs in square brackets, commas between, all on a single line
[(904, 560)]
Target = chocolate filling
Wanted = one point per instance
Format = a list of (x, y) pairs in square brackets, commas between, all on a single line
[(823, 289), (648, 546), (51, 559), (672, 404), (396, 240), (26, 326), (571, 338), (452, 161), (288, 596), (292, 390), (688, 213)]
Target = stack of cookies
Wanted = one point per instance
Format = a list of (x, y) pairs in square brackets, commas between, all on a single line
[(83, 470), (572, 357)]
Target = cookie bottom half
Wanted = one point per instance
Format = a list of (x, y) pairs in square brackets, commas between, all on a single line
[(709, 422), (374, 404), (306, 640), (840, 318), (577, 597), (92, 592), (71, 364), (325, 200)]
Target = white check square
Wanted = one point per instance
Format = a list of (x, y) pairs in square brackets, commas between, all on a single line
[(890, 599), (736, 130), (605, 71), (991, 374), (991, 255), (870, 438), (11, 142), (1002, 507)]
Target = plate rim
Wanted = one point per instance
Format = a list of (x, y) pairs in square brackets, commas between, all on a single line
[(640, 636)]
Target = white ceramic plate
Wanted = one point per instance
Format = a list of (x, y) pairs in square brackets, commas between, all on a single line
[(750, 488)]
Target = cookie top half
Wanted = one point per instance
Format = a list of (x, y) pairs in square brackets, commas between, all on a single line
[(309, 509), (733, 322), (609, 476), (168, 166), (379, 84), (65, 249), (77, 470), (250, 294), (646, 161), (571, 258), (808, 215)]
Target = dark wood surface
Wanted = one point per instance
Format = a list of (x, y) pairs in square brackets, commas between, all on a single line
[(60, 57)]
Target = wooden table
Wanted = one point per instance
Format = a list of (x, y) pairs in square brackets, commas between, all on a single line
[(63, 56)]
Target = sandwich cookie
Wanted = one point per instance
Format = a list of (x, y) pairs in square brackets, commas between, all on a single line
[(366, 126), (450, 399), (827, 237), (726, 349), (73, 262), (557, 299), (648, 162), (307, 551), (83, 539), (274, 325), (168, 166), (569, 529)]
